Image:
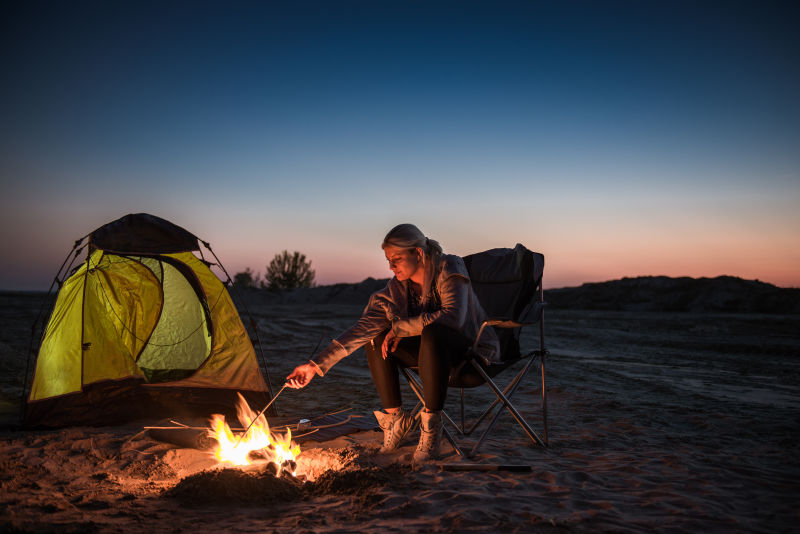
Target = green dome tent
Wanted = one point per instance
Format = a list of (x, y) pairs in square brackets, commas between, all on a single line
[(142, 328)]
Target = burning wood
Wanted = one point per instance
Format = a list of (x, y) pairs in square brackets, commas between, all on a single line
[(257, 444)]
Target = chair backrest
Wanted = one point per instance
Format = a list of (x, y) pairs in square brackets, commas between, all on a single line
[(506, 282)]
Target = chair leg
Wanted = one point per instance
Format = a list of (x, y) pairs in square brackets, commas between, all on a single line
[(508, 392), (543, 354), (417, 389), (451, 440), (544, 399), (483, 436), (510, 387), (510, 407), (412, 382), (463, 420)]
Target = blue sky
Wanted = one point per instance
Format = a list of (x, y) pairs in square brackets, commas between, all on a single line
[(617, 138)]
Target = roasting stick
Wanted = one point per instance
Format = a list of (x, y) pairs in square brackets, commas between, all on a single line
[(275, 397), (239, 439)]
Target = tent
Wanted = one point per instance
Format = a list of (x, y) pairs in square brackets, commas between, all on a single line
[(141, 328)]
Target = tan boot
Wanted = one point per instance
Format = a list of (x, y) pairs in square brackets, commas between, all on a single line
[(430, 436), (395, 426)]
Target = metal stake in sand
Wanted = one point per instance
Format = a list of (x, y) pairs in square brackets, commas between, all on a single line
[(239, 439)]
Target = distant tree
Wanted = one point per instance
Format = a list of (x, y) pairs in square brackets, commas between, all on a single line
[(246, 279), (287, 271)]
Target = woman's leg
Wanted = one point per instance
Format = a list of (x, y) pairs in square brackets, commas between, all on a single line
[(395, 422), (385, 373), (441, 349), (435, 352)]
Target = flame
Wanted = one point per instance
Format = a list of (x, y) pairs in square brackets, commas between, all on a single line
[(277, 448)]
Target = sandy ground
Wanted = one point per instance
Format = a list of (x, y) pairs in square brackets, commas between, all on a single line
[(658, 422)]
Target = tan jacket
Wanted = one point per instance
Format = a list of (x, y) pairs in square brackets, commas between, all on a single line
[(388, 307)]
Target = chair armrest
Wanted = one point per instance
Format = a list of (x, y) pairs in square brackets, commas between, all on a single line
[(499, 322), (503, 323), (532, 316)]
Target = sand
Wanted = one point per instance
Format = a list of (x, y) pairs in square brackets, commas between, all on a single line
[(658, 423)]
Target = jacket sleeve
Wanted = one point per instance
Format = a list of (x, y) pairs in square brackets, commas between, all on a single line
[(373, 321), (454, 292)]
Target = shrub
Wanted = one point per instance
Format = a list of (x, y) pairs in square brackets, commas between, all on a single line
[(287, 271), (247, 279)]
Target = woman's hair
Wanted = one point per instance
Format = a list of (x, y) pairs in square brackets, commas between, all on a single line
[(409, 236)]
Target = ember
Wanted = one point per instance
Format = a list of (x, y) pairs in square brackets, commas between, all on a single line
[(258, 443)]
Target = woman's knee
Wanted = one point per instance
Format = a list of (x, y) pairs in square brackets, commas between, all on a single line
[(434, 331), (433, 341), (444, 341), (441, 335), (373, 348)]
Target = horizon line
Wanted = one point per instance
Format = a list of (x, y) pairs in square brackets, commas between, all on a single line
[(8, 290)]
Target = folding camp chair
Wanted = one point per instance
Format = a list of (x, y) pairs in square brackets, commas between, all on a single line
[(508, 285)]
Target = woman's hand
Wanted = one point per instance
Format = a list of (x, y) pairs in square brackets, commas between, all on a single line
[(389, 344), (301, 376)]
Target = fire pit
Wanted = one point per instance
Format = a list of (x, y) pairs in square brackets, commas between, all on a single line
[(259, 445), (246, 454)]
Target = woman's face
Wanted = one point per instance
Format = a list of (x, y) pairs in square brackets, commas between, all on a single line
[(404, 262)]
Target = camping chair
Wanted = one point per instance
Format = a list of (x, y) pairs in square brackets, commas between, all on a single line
[(508, 285)]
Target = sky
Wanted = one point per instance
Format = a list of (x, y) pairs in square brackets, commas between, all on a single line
[(616, 138)]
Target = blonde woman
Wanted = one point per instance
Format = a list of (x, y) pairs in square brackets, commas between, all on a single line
[(425, 317)]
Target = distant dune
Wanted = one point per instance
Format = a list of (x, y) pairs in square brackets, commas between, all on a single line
[(685, 294), (333, 294), (727, 294), (645, 293)]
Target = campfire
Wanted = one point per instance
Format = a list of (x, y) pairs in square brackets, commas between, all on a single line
[(258, 445)]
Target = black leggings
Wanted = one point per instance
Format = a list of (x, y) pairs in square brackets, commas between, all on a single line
[(435, 353)]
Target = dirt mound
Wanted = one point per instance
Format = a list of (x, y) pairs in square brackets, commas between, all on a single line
[(356, 481), (313, 463), (234, 486)]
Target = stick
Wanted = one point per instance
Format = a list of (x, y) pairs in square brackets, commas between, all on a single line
[(177, 428), (485, 467), (239, 429), (239, 439), (275, 397)]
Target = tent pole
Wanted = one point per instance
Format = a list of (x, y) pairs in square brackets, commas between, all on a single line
[(47, 298)]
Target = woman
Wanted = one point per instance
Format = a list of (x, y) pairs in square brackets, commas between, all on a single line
[(425, 317)]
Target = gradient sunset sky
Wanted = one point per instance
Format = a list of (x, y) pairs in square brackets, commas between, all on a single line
[(617, 138)]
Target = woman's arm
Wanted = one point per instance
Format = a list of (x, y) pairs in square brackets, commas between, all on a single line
[(454, 292), (301, 375), (373, 321)]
